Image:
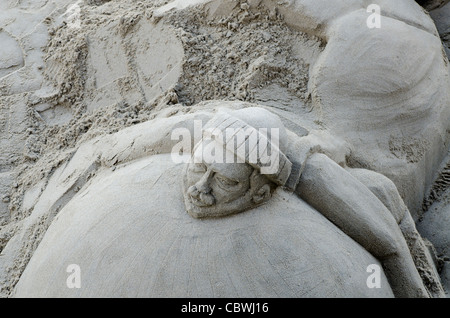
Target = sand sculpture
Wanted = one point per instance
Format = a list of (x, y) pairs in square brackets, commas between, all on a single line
[(218, 190)]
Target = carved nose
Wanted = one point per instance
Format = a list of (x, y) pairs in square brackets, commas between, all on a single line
[(203, 184)]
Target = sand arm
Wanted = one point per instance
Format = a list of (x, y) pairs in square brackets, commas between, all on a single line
[(156, 136), (353, 208), (386, 191)]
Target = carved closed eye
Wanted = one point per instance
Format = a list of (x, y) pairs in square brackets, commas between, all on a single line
[(223, 181)]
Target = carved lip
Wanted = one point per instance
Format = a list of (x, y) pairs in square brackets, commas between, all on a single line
[(197, 202)]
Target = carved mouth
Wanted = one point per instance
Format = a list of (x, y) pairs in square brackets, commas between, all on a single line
[(197, 202)]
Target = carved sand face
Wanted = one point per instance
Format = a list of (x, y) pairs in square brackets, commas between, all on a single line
[(219, 189)]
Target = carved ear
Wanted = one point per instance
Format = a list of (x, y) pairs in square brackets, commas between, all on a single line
[(262, 194)]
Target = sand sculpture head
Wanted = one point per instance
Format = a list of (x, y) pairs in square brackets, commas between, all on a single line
[(237, 164)]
